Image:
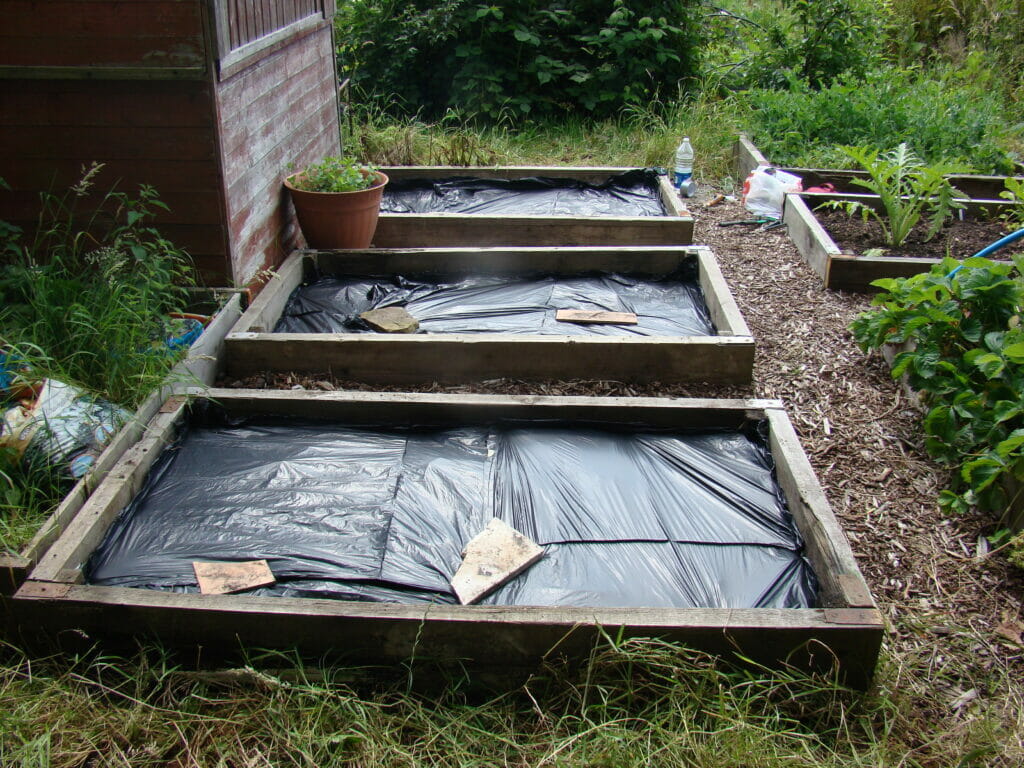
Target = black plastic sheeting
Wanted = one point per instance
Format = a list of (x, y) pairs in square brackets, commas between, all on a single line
[(668, 306), (628, 517), (634, 193)]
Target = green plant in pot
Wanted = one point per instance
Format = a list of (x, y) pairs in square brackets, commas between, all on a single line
[(337, 202)]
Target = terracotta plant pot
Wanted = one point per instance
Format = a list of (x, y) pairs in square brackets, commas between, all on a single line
[(338, 219)]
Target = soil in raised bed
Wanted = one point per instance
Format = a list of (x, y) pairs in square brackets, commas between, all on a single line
[(957, 238)]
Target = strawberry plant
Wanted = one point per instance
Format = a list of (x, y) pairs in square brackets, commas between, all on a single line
[(963, 349), (906, 188)]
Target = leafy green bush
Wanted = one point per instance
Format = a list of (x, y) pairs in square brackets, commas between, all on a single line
[(965, 353), (816, 41), (906, 189), (88, 297), (943, 122), (336, 174), (510, 59)]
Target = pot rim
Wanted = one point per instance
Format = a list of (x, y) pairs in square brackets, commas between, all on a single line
[(381, 176)]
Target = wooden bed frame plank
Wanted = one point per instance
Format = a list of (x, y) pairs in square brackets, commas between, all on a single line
[(401, 230), (846, 628), (403, 359)]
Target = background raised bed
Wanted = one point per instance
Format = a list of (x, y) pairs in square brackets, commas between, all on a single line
[(415, 230), (844, 270)]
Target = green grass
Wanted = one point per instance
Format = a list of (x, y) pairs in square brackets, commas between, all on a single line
[(639, 138), (638, 703)]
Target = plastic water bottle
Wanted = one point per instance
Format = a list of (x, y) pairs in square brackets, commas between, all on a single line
[(684, 163)]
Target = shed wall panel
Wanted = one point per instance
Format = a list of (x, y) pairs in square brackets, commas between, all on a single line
[(90, 33), (278, 112), (159, 133)]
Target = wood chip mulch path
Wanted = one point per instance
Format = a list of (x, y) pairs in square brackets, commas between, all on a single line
[(954, 611)]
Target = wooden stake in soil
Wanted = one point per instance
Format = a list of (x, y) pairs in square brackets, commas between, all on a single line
[(492, 557)]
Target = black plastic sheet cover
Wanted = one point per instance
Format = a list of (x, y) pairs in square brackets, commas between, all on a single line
[(672, 305), (627, 517), (633, 193)]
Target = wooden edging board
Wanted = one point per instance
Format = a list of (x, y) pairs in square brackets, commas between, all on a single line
[(845, 628), (402, 359), (414, 230), (746, 157), (198, 368), (849, 271), (974, 186)]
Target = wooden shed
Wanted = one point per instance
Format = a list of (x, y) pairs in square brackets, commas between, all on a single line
[(208, 101)]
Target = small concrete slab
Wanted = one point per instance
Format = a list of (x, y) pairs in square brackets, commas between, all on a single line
[(390, 320), (494, 556)]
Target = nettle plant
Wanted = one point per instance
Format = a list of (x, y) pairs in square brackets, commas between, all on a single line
[(963, 350), (907, 190)]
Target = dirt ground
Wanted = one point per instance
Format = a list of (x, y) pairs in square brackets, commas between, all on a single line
[(953, 610)]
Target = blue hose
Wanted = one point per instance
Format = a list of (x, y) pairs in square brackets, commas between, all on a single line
[(990, 249)]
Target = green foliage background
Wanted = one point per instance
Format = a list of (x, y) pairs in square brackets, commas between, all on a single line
[(509, 59)]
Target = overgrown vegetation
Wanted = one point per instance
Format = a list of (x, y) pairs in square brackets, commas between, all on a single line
[(634, 703), (86, 302), (943, 121), (803, 77), (962, 346), (88, 297)]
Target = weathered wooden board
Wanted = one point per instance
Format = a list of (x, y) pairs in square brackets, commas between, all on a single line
[(413, 230), (845, 627), (595, 317), (416, 358), (276, 109), (198, 369), (746, 157), (974, 186)]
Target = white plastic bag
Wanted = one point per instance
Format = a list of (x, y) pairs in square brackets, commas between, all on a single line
[(765, 190), (66, 428)]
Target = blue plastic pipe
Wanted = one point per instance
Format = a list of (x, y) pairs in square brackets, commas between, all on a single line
[(990, 249)]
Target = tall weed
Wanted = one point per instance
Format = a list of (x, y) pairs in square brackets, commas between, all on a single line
[(86, 300)]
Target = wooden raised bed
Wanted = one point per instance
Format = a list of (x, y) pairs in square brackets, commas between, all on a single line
[(425, 230), (845, 626), (398, 359), (198, 368), (850, 271)]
